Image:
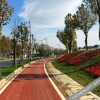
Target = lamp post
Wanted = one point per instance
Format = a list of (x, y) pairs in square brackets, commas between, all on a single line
[(30, 44), (14, 47), (33, 44)]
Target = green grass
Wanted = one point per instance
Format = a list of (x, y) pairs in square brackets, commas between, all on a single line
[(78, 73), (6, 71), (9, 70)]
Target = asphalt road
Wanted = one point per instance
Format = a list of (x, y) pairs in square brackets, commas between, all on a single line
[(31, 84)]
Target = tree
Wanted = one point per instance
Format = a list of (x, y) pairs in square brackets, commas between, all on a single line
[(42, 50), (22, 34), (94, 6), (70, 26), (86, 21), (68, 40), (68, 36), (63, 38), (5, 13), (5, 46)]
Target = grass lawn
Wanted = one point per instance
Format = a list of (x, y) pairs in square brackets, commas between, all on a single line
[(78, 74), (9, 70)]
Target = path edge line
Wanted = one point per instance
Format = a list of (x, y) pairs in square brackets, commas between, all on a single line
[(53, 84), (7, 84)]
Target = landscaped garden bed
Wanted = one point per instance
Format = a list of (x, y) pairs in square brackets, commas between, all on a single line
[(78, 72)]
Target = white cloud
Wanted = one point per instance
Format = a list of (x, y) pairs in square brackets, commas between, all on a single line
[(48, 13), (47, 16)]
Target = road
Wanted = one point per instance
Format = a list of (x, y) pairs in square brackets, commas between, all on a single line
[(7, 63), (31, 84)]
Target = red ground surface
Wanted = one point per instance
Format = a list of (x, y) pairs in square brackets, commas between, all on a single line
[(31, 84)]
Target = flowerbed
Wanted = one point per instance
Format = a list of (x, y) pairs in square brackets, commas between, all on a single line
[(67, 57), (84, 57), (94, 70)]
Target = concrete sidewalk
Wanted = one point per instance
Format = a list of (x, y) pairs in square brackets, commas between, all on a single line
[(70, 86)]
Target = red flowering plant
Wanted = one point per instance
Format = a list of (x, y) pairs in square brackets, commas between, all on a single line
[(95, 70), (67, 57), (84, 57)]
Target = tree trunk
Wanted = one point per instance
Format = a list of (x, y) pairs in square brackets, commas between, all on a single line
[(99, 28), (67, 49), (70, 46), (22, 51), (86, 44), (14, 53)]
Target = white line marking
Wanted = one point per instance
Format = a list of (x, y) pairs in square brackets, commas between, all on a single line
[(58, 91), (5, 86)]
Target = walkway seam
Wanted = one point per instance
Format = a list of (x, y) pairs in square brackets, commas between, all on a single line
[(56, 88)]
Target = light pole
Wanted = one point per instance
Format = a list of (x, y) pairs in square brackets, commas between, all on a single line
[(30, 51), (33, 44), (13, 33)]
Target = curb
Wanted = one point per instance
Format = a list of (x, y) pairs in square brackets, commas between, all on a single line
[(7, 80), (71, 86), (53, 84)]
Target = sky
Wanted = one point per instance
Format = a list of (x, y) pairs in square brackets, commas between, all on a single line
[(47, 17)]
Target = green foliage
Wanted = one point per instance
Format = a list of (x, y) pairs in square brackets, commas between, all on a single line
[(5, 12), (94, 6), (20, 40), (5, 46), (68, 36), (63, 38), (6, 71), (86, 20)]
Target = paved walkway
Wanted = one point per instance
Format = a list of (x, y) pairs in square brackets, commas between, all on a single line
[(69, 85), (31, 84)]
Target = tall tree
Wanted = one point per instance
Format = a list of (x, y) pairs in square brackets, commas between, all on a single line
[(86, 21), (70, 26), (94, 6), (5, 13), (68, 36), (22, 37)]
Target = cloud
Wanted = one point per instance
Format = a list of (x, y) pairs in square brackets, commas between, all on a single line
[(47, 16), (48, 13)]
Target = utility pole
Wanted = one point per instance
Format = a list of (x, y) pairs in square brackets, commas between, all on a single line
[(32, 46), (14, 43), (30, 49), (22, 41)]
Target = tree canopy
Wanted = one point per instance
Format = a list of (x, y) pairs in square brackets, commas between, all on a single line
[(86, 20), (5, 13), (94, 6)]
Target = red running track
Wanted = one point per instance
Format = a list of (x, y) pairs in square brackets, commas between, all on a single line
[(31, 84)]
